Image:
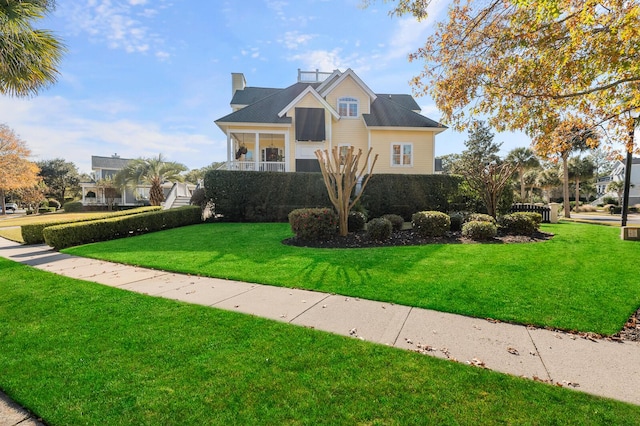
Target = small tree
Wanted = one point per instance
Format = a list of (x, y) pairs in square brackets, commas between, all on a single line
[(524, 159), (153, 171), (340, 174), (32, 196), (16, 171)]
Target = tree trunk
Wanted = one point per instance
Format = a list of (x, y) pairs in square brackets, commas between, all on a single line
[(565, 186), (523, 192), (577, 194)]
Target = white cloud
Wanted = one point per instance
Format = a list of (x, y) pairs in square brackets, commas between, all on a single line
[(51, 129), (294, 39), (329, 60), (112, 22)]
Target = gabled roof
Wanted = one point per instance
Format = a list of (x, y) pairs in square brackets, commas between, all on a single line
[(309, 90), (348, 73), (111, 163), (266, 109), (387, 113)]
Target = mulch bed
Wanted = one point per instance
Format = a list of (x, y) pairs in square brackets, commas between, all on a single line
[(630, 332), (410, 238)]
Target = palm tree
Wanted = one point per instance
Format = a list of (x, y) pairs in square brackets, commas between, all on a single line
[(29, 57), (580, 169), (547, 180), (152, 171), (524, 159)]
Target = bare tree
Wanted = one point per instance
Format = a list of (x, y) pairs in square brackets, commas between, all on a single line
[(340, 174)]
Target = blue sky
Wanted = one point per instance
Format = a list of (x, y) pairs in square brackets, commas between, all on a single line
[(143, 77)]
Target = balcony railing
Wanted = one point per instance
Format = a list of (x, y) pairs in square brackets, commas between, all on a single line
[(253, 166)]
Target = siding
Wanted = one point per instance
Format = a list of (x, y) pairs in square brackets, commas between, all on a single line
[(423, 150)]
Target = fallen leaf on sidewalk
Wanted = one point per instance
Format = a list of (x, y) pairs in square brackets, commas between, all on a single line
[(477, 363), (513, 351)]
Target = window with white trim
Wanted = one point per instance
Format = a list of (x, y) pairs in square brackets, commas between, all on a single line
[(348, 107), (342, 151), (402, 155)]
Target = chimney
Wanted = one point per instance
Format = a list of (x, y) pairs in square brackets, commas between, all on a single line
[(238, 82)]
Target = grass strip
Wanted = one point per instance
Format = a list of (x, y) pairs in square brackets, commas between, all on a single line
[(584, 279), (80, 353)]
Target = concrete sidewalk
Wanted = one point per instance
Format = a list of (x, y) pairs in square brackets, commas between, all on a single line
[(600, 367)]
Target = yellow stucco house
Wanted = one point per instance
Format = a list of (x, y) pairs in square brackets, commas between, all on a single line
[(280, 129)]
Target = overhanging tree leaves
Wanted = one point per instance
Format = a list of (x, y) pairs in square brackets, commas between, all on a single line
[(29, 57), (16, 171), (340, 174), (525, 64)]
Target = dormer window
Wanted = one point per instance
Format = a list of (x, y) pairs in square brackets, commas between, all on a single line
[(348, 107)]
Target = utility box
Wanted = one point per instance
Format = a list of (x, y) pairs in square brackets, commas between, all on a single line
[(631, 233)]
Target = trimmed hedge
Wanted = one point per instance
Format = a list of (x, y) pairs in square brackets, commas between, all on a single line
[(241, 196), (32, 233), (73, 234), (406, 194), (73, 207), (431, 223), (480, 217), (356, 221), (314, 224), (396, 221)]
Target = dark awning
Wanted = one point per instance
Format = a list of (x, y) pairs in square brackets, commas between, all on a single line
[(310, 124)]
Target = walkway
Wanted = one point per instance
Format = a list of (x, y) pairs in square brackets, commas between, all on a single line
[(600, 367)]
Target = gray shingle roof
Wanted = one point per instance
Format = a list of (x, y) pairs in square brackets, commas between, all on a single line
[(251, 95), (112, 163), (388, 110), (387, 113), (266, 109), (406, 101)]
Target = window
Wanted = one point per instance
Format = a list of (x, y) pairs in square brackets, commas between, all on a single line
[(348, 107), (402, 154), (343, 150)]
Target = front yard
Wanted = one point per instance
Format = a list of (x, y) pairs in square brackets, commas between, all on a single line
[(584, 279), (81, 353)]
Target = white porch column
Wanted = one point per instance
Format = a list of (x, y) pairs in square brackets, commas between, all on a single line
[(257, 155), (229, 142)]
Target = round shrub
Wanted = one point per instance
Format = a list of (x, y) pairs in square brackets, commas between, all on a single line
[(431, 223), (44, 204), (397, 222), (456, 219), (314, 224), (479, 230), (519, 223), (356, 221), (198, 197), (72, 207), (54, 203), (379, 229), (480, 217)]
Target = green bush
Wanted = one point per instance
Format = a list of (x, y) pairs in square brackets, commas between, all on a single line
[(519, 223), (379, 229), (32, 233), (396, 221), (610, 200), (44, 204), (314, 224), (480, 217), (241, 196), (479, 230), (456, 219), (76, 233), (198, 198), (431, 223), (54, 203), (43, 210), (356, 221), (73, 207), (407, 194)]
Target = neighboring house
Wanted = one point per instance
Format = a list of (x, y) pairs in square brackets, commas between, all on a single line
[(108, 167), (617, 175), (280, 129)]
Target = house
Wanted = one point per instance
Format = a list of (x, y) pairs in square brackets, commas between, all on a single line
[(280, 129), (617, 175), (105, 168)]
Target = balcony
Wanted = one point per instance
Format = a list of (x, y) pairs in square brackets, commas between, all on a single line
[(255, 166)]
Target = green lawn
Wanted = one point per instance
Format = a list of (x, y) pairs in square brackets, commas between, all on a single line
[(78, 353), (584, 279)]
